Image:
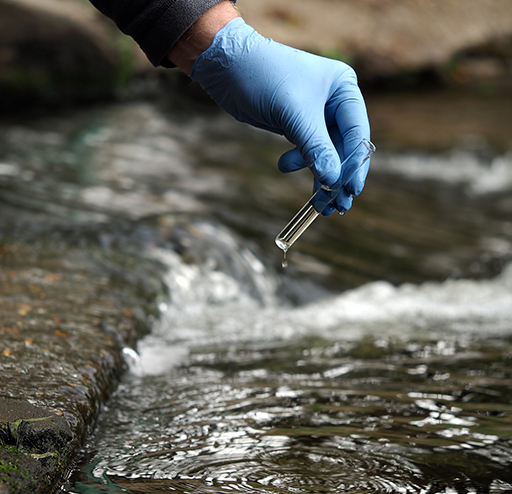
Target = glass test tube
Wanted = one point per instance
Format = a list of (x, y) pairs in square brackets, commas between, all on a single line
[(307, 214)]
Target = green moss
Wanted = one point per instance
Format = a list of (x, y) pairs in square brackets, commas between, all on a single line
[(23, 472), (125, 67), (11, 473), (9, 466), (40, 456), (14, 476), (10, 449), (24, 79), (15, 425)]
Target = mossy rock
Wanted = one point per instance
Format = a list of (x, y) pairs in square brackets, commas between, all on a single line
[(33, 441)]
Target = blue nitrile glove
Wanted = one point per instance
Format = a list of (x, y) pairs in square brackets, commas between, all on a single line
[(313, 101)]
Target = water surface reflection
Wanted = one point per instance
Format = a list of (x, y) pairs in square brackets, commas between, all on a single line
[(373, 415), (378, 389), (320, 378)]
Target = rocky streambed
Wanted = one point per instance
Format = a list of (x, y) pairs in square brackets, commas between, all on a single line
[(88, 196)]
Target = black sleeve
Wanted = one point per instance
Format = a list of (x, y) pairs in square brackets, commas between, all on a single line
[(156, 25)]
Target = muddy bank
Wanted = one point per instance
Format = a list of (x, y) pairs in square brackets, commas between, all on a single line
[(458, 43)]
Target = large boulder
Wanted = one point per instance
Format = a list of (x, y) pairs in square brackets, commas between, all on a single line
[(58, 50)]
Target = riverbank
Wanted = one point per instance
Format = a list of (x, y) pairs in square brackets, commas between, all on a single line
[(68, 308)]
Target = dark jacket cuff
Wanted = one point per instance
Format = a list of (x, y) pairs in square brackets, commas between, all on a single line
[(171, 26)]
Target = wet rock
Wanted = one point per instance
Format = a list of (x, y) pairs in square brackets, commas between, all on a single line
[(32, 428), (33, 444), (66, 313), (43, 434)]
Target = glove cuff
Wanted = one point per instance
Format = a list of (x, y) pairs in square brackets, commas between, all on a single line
[(222, 53)]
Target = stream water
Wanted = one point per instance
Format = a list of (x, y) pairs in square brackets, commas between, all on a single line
[(380, 361)]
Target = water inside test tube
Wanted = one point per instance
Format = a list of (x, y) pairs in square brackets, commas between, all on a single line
[(307, 214), (296, 226)]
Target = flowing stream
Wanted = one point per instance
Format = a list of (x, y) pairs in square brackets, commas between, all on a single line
[(377, 389), (380, 361)]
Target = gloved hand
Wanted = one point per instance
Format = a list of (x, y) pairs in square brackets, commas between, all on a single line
[(313, 101)]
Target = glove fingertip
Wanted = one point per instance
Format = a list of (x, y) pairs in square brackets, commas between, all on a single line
[(343, 202), (291, 161), (326, 167), (328, 210)]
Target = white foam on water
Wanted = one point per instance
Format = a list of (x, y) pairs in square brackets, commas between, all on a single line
[(208, 306), (456, 305)]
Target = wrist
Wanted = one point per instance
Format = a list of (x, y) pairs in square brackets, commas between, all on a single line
[(198, 38)]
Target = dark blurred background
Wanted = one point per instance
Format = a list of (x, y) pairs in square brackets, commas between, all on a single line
[(454, 56)]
